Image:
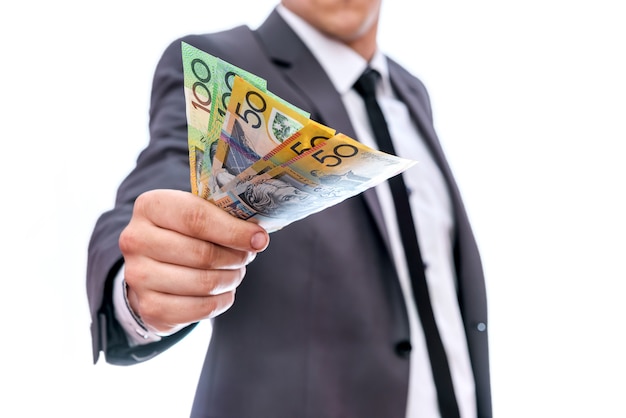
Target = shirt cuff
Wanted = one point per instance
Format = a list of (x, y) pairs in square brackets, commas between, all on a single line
[(136, 331)]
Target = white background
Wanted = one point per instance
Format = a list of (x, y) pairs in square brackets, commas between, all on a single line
[(529, 102)]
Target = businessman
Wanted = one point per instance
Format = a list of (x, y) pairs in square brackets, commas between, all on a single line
[(375, 307)]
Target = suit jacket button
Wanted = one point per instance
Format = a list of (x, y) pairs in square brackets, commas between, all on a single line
[(403, 349)]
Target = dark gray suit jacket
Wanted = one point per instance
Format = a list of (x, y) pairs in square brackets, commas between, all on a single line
[(319, 326)]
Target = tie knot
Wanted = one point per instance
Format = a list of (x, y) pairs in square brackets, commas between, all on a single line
[(366, 84)]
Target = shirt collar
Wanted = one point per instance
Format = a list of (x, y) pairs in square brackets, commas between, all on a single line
[(342, 64)]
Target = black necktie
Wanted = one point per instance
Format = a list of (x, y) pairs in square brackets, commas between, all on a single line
[(366, 87)]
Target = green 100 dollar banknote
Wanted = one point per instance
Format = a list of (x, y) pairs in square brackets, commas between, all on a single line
[(208, 83)]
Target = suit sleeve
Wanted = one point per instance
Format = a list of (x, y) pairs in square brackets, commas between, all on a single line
[(163, 164)]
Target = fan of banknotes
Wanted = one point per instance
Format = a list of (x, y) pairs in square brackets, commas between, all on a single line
[(259, 157)]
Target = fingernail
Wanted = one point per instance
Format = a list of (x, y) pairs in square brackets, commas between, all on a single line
[(259, 241)]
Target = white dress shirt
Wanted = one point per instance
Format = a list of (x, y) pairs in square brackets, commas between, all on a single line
[(432, 212)]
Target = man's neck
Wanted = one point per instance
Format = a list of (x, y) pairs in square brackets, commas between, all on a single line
[(365, 45)]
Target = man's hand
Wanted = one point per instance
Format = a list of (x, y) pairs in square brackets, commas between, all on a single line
[(184, 257)]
